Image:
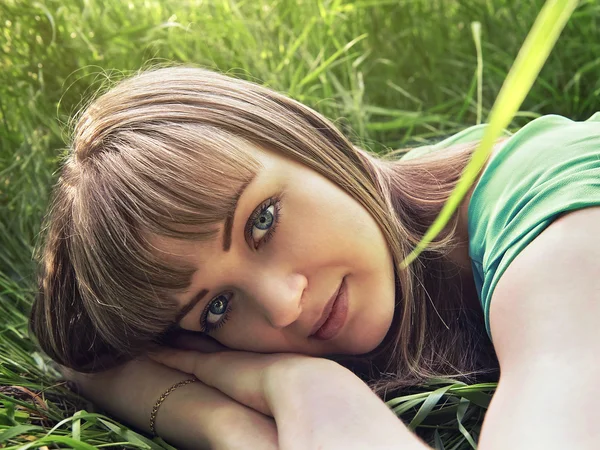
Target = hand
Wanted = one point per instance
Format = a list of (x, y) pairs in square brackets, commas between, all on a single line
[(251, 379), (315, 402), (192, 417)]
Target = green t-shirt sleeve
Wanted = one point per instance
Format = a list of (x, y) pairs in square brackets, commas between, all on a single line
[(550, 166)]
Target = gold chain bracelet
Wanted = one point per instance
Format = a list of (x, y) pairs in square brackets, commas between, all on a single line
[(162, 398)]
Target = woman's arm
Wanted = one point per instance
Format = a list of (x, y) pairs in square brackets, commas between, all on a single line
[(329, 408), (316, 403), (545, 322), (193, 416)]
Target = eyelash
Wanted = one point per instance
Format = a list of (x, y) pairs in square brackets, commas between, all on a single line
[(274, 201), (207, 327)]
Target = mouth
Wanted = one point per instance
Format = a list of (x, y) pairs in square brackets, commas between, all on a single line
[(334, 315)]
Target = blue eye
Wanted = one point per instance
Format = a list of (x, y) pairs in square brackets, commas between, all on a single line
[(265, 219), (216, 312), (262, 222)]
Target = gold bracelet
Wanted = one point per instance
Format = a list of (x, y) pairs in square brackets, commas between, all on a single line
[(162, 398)]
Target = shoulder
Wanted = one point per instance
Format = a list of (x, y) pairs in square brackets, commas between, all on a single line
[(548, 168), (547, 302), (544, 319)]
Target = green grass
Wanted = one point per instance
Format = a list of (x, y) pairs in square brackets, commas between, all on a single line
[(390, 73)]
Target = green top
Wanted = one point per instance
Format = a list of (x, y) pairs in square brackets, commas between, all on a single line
[(550, 166)]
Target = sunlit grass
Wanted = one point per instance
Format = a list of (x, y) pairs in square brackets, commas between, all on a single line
[(390, 73)]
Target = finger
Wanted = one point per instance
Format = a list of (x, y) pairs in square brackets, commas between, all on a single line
[(237, 374)]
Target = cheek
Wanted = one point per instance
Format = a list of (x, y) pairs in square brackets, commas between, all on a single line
[(326, 219)]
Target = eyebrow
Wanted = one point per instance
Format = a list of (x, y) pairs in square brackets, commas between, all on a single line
[(192, 303), (227, 230)]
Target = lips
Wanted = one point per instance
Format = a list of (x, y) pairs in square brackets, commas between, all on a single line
[(334, 315)]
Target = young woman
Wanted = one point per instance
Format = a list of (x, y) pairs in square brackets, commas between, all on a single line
[(213, 214)]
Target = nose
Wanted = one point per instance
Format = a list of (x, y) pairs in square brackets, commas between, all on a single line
[(279, 298)]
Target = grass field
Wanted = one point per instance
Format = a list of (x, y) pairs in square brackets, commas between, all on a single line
[(390, 73)]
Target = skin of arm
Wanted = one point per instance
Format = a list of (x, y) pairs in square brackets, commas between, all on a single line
[(329, 407), (316, 403), (193, 416), (544, 321)]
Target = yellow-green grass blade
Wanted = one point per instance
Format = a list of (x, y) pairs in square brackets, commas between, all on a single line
[(534, 52)]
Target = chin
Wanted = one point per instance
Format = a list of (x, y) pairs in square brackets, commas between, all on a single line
[(367, 346), (369, 340), (362, 344)]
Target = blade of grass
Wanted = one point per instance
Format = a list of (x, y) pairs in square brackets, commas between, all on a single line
[(428, 406), (77, 445), (17, 431), (476, 29), (315, 73), (534, 52), (292, 49), (460, 414)]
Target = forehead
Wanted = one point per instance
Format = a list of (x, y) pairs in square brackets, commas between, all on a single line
[(267, 158)]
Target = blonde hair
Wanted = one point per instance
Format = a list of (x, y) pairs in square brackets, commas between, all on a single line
[(162, 150)]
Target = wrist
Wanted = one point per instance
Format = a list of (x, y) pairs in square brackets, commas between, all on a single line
[(162, 398), (198, 416)]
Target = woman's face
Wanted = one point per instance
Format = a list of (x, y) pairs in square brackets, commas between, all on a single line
[(296, 240)]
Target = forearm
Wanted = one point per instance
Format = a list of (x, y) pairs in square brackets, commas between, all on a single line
[(324, 405), (193, 416)]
